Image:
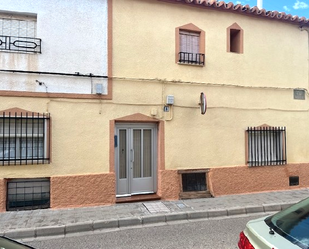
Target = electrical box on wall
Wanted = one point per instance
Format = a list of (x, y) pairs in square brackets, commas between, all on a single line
[(99, 89), (170, 100)]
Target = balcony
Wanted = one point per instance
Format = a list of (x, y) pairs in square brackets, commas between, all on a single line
[(191, 58), (20, 44)]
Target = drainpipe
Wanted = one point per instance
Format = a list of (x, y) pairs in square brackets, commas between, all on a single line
[(259, 4), (306, 29)]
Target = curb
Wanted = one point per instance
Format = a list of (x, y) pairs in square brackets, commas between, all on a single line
[(90, 226)]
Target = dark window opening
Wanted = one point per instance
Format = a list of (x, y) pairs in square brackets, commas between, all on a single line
[(294, 180), (235, 40), (28, 194), (194, 182)]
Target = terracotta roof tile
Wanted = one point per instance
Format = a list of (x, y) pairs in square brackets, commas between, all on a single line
[(246, 9)]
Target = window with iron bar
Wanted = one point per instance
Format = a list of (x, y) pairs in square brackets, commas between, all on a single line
[(28, 194), (266, 146), (190, 45), (189, 48), (18, 34), (24, 139)]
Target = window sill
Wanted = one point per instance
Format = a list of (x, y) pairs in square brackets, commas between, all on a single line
[(266, 165), (25, 163), (190, 64)]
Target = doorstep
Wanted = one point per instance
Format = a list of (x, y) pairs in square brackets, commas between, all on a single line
[(138, 198)]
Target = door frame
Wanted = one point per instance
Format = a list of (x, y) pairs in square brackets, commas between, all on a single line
[(130, 126)]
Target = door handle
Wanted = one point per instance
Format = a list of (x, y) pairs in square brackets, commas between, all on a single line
[(132, 156)]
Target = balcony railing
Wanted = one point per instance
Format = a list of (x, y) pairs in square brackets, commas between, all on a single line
[(20, 44), (191, 58)]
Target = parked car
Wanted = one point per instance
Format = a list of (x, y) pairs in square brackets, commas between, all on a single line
[(6, 243), (287, 229)]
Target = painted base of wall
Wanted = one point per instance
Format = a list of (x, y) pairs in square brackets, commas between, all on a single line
[(168, 184), (99, 189), (244, 179), (2, 195), (82, 190)]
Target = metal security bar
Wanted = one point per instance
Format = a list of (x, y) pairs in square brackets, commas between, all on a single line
[(266, 146), (191, 58), (28, 194), (20, 44), (24, 139)]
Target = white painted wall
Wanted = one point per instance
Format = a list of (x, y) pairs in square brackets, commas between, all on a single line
[(74, 39)]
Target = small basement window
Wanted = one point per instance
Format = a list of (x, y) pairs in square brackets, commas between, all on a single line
[(294, 180), (28, 194), (193, 184)]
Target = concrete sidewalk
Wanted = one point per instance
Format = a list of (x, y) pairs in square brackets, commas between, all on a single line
[(49, 222)]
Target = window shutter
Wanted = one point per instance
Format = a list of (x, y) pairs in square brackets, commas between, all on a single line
[(18, 28), (183, 42), (189, 42)]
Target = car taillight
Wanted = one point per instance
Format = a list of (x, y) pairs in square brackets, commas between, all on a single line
[(243, 242)]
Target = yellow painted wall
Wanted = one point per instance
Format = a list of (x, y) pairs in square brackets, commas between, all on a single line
[(275, 53), (248, 89)]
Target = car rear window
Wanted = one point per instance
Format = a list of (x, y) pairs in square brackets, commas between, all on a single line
[(292, 223)]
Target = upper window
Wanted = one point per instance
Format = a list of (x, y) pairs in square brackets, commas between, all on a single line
[(24, 138), (235, 39), (190, 45), (18, 34), (266, 146)]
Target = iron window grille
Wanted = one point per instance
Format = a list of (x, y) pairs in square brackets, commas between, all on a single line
[(24, 139), (191, 58), (20, 44), (28, 194), (266, 146)]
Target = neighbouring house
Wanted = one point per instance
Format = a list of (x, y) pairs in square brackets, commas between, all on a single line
[(53, 84), (123, 100)]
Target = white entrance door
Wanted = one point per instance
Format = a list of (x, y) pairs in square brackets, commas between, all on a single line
[(136, 158)]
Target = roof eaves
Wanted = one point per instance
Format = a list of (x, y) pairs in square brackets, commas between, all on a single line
[(246, 9)]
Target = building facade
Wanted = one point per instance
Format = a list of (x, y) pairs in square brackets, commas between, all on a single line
[(54, 67), (109, 100)]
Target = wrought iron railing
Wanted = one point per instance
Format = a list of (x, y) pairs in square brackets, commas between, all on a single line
[(191, 58), (20, 44), (266, 146), (24, 139)]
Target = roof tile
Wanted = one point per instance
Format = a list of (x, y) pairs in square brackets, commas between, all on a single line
[(246, 9)]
